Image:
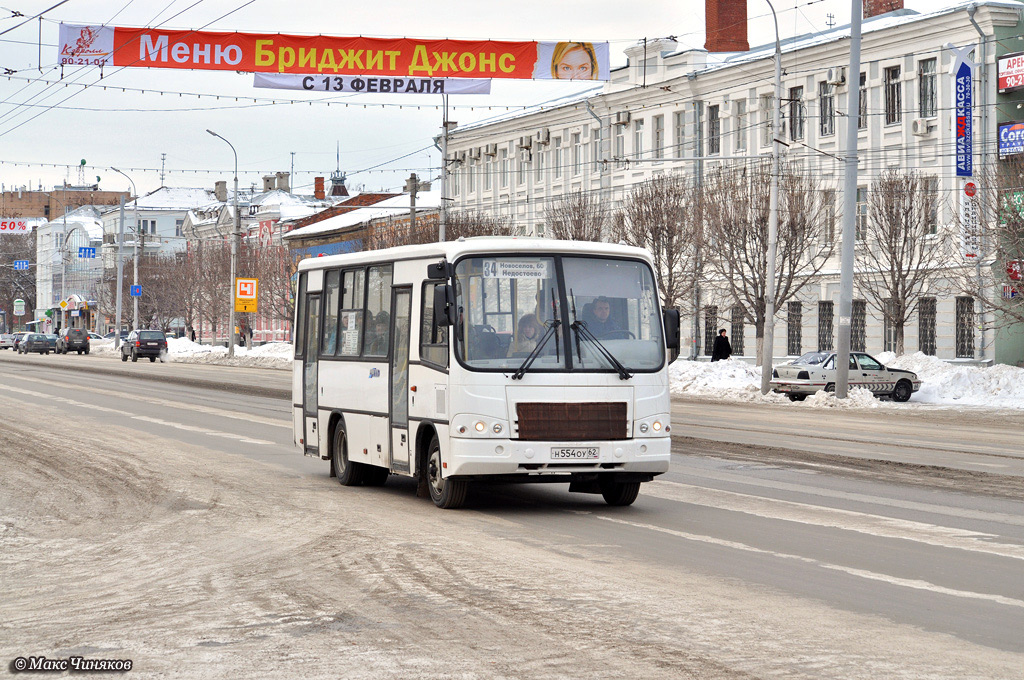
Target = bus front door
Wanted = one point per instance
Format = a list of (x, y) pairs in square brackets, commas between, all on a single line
[(309, 377), (401, 302)]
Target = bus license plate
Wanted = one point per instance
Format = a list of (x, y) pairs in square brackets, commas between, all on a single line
[(574, 452)]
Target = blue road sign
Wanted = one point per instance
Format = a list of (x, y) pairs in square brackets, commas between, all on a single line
[(21, 264), (84, 252), (136, 291)]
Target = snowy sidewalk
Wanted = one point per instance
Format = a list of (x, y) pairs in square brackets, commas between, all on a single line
[(943, 384)]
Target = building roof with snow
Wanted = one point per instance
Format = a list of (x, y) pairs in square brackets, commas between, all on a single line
[(396, 206)]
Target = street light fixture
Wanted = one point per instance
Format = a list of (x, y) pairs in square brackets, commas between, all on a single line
[(135, 250), (234, 254), (768, 337)]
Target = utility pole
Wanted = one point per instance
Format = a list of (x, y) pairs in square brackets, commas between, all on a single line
[(768, 337), (235, 238), (446, 126), (412, 185), (849, 207), (135, 250), (120, 278)]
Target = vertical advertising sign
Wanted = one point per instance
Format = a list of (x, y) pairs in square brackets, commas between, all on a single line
[(963, 99), (970, 231)]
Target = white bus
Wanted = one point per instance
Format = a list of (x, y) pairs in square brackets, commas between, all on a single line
[(485, 359)]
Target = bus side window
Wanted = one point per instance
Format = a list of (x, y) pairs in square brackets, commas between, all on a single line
[(332, 290), (433, 339), (378, 311), (351, 315), (300, 318)]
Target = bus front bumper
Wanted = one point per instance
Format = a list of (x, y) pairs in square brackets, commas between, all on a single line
[(514, 457)]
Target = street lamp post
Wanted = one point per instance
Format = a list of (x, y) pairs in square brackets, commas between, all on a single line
[(234, 254), (768, 338), (135, 251), (63, 260)]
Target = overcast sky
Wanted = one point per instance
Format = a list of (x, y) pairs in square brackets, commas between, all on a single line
[(45, 123)]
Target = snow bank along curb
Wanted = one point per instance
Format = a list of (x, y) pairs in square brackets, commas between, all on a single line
[(943, 384)]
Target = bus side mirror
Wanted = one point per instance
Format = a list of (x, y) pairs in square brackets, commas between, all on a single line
[(438, 271), (670, 318), (443, 305)]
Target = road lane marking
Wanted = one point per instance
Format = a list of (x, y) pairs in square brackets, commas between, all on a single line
[(133, 416), (965, 513), (916, 584), (834, 518), (182, 405)]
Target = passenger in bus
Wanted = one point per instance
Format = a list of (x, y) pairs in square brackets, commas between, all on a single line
[(599, 321), (378, 344), (528, 334)]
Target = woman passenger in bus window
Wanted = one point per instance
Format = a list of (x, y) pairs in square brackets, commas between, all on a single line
[(528, 334)]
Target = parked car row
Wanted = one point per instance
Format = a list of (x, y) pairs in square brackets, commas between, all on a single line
[(42, 343)]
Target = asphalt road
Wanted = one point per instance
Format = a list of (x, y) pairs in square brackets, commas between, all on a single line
[(749, 558)]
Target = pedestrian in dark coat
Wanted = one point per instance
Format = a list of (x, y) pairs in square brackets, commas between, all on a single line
[(721, 350)]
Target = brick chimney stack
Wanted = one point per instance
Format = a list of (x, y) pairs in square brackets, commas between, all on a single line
[(872, 8), (726, 22)]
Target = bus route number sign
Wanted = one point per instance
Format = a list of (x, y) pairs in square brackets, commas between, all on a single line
[(515, 269)]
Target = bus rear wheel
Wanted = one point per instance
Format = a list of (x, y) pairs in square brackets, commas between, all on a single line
[(619, 493), (446, 493), (347, 472)]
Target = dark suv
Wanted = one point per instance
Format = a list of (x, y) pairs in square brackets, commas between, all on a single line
[(152, 344), (72, 339)]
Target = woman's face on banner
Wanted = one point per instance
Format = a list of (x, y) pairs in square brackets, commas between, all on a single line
[(575, 65)]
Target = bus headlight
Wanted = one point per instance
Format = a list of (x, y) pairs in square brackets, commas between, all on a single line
[(480, 426), (643, 427), (656, 426), (497, 428)]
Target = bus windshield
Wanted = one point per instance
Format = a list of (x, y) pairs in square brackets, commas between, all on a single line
[(600, 308)]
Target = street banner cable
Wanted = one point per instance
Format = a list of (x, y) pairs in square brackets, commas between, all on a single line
[(319, 54), (371, 84)]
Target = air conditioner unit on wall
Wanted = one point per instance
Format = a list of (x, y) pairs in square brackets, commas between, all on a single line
[(491, 150), (525, 142), (525, 155), (836, 76), (920, 127), (474, 153), (622, 118), (544, 136)]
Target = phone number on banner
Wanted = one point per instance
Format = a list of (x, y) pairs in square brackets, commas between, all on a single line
[(321, 83)]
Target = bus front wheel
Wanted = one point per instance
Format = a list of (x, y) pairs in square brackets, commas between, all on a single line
[(619, 493), (347, 472), (446, 493)]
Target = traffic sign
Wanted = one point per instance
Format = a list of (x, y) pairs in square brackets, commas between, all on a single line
[(86, 253), (246, 291), (971, 189), (63, 304), (21, 264), (136, 291), (19, 307)]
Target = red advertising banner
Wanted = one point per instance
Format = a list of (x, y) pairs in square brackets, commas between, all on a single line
[(1010, 68), (277, 53)]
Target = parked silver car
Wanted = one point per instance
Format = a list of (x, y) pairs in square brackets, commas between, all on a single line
[(816, 371), (6, 340)]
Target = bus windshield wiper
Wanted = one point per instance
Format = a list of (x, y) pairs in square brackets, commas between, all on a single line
[(581, 330), (521, 371)]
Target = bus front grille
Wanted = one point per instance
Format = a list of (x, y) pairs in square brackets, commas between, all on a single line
[(571, 422)]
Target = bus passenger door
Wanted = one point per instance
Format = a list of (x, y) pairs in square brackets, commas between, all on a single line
[(401, 303), (309, 377)]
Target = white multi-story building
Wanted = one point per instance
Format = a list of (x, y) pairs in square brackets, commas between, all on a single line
[(675, 109), (69, 268)]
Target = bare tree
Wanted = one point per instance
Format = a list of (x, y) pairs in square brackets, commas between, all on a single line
[(392, 232), (903, 253), (736, 211), (17, 283), (996, 279), (577, 216)]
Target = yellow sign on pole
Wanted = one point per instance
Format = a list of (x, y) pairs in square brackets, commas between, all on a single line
[(63, 304), (245, 294)]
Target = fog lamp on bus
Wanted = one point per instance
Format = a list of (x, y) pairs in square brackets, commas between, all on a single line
[(651, 426), (479, 427)]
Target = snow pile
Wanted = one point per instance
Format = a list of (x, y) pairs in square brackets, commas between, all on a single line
[(943, 384), (183, 350)]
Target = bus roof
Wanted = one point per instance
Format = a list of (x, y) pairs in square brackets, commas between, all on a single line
[(451, 250)]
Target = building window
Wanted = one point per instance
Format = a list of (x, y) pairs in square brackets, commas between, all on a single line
[(556, 142), (595, 147), (793, 329), (893, 96), (522, 166), (964, 328), (488, 169), (931, 192), (862, 103), (888, 327), (620, 142), (797, 113), (178, 227), (826, 319), (714, 130), (826, 110), (638, 138), (829, 201), (926, 326), (859, 327), (862, 213), (710, 322), (741, 124), (738, 314), (766, 119), (503, 164), (658, 143), (679, 126), (538, 165), (926, 106), (577, 153)]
